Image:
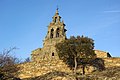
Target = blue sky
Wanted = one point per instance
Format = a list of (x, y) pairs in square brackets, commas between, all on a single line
[(23, 23)]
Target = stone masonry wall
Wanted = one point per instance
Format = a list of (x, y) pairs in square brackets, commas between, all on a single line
[(102, 54), (33, 69), (111, 62)]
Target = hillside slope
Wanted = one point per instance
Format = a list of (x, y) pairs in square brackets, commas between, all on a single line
[(112, 73)]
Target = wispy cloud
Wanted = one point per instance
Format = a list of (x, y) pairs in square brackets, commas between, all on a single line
[(112, 11)]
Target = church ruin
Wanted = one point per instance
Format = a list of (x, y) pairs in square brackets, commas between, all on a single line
[(55, 34), (46, 59)]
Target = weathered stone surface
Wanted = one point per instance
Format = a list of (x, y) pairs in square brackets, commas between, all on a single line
[(102, 54), (33, 69), (111, 62)]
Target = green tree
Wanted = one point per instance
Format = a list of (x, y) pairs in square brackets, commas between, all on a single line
[(76, 49)]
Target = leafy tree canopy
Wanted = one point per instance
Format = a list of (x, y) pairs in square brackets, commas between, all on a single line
[(74, 49)]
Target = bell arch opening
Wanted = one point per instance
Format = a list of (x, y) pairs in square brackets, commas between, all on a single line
[(57, 32), (52, 33)]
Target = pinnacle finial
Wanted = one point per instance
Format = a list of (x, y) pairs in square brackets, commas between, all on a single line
[(57, 10), (57, 7)]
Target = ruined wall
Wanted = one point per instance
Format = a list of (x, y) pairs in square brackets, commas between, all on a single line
[(33, 69), (45, 53), (102, 54), (112, 62)]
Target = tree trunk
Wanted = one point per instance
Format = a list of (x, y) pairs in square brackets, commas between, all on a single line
[(75, 65), (83, 69)]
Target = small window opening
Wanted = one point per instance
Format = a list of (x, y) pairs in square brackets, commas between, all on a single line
[(53, 54)]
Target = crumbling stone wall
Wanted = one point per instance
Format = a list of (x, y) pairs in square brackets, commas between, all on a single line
[(112, 62), (102, 54), (45, 53), (33, 69)]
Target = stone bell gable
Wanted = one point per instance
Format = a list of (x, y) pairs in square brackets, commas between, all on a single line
[(56, 31), (55, 34)]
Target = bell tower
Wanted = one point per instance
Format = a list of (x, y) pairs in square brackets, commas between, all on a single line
[(55, 34)]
